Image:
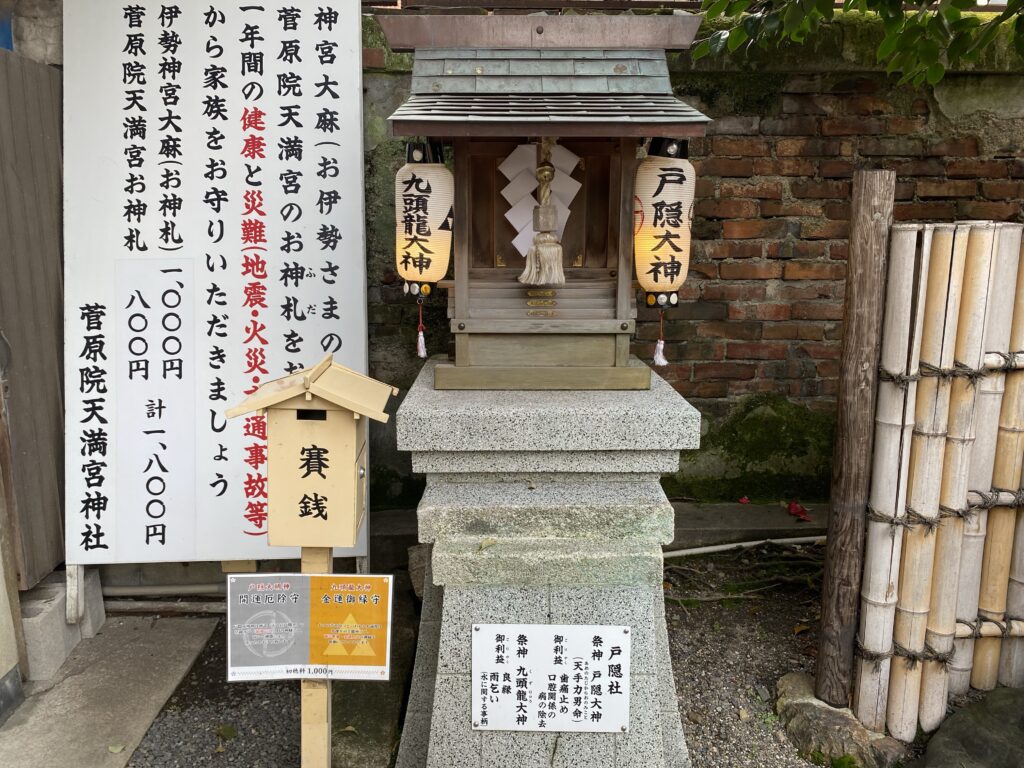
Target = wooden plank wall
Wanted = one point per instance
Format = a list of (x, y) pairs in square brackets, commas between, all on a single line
[(31, 314)]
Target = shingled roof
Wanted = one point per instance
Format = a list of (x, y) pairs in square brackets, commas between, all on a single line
[(541, 90)]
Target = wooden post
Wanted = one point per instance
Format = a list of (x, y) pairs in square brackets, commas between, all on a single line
[(316, 694), (871, 217)]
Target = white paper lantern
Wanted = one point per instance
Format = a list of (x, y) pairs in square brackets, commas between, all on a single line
[(664, 213), (424, 193)]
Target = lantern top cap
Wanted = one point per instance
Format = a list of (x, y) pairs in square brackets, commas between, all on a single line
[(327, 379)]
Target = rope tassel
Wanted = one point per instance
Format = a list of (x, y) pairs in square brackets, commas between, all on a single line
[(544, 259), (421, 342)]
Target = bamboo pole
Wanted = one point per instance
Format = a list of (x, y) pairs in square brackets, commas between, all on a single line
[(956, 464), (1011, 660), (871, 217), (990, 396), (945, 275), (909, 247), (1006, 474)]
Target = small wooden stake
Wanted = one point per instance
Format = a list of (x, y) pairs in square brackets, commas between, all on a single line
[(871, 217), (316, 694)]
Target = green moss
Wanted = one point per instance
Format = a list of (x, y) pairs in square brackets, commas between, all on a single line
[(373, 37), (752, 94), (767, 448)]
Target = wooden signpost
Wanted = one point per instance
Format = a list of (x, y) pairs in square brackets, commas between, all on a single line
[(317, 479)]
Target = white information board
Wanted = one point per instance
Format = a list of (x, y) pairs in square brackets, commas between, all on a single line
[(548, 677), (213, 241)]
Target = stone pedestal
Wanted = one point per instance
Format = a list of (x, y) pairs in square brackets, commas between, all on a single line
[(542, 508)]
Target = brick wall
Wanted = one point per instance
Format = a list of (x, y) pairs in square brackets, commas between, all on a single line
[(764, 301)]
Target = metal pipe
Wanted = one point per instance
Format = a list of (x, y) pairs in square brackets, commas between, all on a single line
[(741, 545)]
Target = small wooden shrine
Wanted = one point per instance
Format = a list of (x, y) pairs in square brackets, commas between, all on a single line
[(547, 118)]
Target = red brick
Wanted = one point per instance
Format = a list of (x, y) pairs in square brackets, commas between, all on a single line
[(807, 291), (1017, 169), (827, 369), (373, 58), (759, 351), (958, 188), (838, 251), (920, 107), (789, 126), (924, 211), (734, 291), (998, 211), (822, 189), (798, 208), (698, 350), (781, 331), (836, 169), (706, 269), (785, 166), (852, 126), (746, 229), (977, 169), (900, 126), (729, 330), (825, 230), (702, 371), (904, 190), (808, 147), (813, 270), (755, 311), (731, 249), (705, 187), (867, 105), (929, 167), (900, 146), (963, 147), (728, 208), (764, 190), (708, 389), (855, 85), (734, 125), (742, 147), (807, 104), (999, 190), (814, 310), (750, 270), (796, 249), (821, 351), (741, 388), (837, 211), (721, 166)]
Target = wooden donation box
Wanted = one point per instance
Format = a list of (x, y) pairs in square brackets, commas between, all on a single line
[(544, 138), (317, 425)]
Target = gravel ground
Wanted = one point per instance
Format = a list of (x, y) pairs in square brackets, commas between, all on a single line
[(208, 722), (737, 623)]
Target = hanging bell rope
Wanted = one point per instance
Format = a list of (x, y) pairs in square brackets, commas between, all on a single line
[(659, 348), (421, 343), (544, 259)]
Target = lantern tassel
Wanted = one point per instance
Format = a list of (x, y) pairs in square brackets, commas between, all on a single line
[(421, 342), (659, 348), (544, 259)]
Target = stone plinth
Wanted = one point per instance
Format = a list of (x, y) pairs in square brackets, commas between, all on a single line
[(542, 508)]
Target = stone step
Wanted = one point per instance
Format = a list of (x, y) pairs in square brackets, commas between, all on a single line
[(546, 561), (635, 509)]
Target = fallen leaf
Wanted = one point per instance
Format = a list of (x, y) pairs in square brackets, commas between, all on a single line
[(115, 749), (744, 500), (226, 732), (219, 747), (348, 729), (744, 714), (799, 511), (799, 629), (486, 544)]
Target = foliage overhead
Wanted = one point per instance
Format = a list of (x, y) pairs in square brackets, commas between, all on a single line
[(922, 40)]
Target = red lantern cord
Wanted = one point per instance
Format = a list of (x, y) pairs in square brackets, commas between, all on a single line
[(659, 348), (421, 344)]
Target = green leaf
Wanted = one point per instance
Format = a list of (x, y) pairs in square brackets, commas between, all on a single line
[(717, 8), (736, 7), (964, 5), (737, 37), (226, 732), (887, 47), (928, 52), (936, 72), (772, 24), (792, 19), (702, 49), (115, 749), (718, 41)]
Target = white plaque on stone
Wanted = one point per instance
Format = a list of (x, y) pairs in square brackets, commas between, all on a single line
[(549, 677)]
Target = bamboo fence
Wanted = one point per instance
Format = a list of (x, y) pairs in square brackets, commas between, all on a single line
[(942, 593)]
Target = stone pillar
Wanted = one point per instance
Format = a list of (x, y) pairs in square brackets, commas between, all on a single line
[(542, 508)]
